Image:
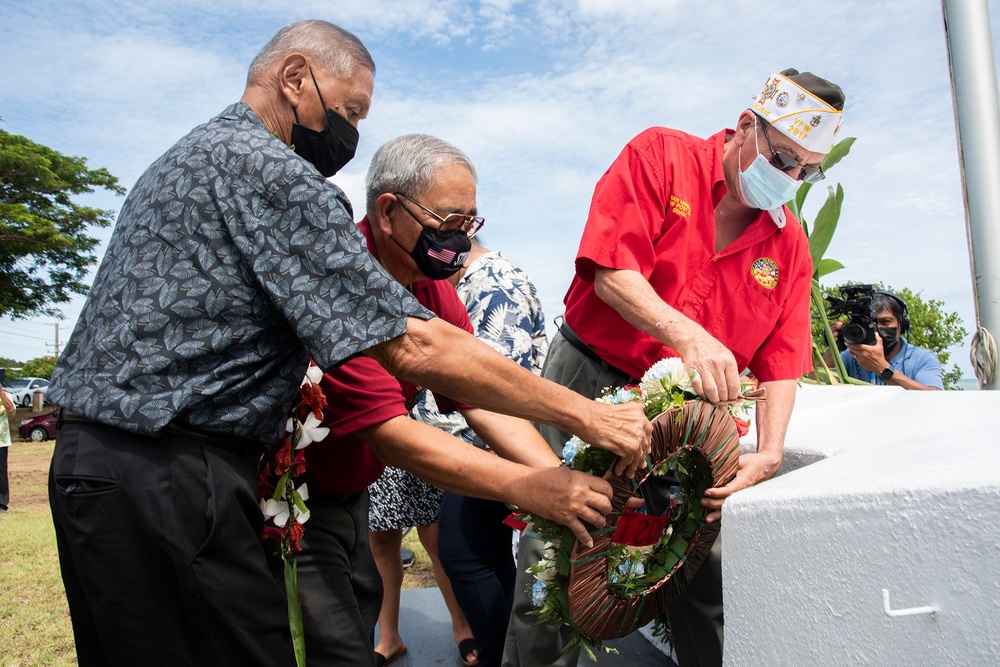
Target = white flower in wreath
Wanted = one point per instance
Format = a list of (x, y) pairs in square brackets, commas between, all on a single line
[(548, 564), (669, 372), (280, 510)]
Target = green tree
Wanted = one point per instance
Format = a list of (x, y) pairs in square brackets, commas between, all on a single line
[(45, 251), (930, 327), (39, 367), (7, 365)]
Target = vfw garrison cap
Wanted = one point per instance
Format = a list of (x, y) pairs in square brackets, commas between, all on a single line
[(804, 107)]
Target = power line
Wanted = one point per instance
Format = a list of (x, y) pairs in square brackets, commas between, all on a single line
[(20, 335)]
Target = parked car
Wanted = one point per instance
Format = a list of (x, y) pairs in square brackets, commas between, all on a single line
[(23, 390), (40, 428)]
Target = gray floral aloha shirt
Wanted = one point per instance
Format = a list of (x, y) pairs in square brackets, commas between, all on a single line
[(232, 264)]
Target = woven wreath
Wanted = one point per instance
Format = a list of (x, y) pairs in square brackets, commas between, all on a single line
[(595, 608), (640, 560)]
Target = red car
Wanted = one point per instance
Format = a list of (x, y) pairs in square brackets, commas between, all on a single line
[(40, 428)]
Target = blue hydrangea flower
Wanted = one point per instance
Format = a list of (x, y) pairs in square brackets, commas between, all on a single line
[(627, 569), (570, 449), (621, 396), (538, 593)]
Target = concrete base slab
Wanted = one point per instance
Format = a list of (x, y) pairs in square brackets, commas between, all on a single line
[(426, 628)]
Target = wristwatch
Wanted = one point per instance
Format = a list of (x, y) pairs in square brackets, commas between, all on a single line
[(886, 374)]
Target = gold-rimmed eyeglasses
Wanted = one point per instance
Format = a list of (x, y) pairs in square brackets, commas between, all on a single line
[(451, 223), (784, 162)]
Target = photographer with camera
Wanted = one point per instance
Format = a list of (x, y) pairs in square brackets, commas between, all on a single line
[(872, 343)]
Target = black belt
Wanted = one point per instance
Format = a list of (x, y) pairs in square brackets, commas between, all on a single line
[(249, 450), (590, 353)]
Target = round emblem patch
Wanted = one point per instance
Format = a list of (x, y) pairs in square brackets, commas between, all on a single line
[(769, 91), (782, 99), (765, 272)]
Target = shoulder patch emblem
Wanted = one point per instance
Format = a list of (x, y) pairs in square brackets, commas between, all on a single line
[(765, 271)]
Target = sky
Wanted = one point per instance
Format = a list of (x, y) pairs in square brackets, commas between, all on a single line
[(541, 95)]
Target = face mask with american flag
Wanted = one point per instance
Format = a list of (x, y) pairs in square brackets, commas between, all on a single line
[(438, 257)]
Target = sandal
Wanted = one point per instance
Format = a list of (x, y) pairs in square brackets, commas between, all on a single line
[(381, 660), (467, 648)]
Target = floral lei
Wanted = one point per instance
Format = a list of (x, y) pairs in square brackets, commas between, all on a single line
[(282, 502), (631, 569)]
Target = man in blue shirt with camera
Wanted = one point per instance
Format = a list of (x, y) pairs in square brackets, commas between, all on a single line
[(891, 360)]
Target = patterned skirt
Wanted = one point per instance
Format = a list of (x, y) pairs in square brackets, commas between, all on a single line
[(400, 500)]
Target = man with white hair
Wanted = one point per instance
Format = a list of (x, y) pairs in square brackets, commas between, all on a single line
[(234, 261), (689, 252), (421, 194)]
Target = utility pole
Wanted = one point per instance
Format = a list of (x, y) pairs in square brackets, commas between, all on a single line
[(974, 87), (57, 348)]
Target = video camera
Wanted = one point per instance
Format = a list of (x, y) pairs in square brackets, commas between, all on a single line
[(859, 305)]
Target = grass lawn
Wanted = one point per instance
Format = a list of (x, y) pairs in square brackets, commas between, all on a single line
[(34, 619)]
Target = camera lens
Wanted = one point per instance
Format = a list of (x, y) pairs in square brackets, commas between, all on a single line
[(853, 333)]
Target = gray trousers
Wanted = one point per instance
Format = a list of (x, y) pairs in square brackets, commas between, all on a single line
[(695, 617)]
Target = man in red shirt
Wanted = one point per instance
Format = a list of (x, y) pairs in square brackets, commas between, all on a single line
[(688, 251), (421, 211)]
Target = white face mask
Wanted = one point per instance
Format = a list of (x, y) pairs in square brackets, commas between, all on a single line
[(762, 185)]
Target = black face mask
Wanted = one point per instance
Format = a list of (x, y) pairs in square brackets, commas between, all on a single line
[(889, 339), (439, 257), (330, 149)]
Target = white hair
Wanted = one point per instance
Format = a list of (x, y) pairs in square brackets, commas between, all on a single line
[(406, 164), (336, 49)]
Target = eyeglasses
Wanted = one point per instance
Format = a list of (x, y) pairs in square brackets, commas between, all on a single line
[(451, 223), (786, 163)]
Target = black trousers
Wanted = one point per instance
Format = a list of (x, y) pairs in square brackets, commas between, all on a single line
[(475, 551), (160, 553), (4, 481), (339, 584)]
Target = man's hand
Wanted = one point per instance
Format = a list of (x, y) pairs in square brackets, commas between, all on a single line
[(835, 327), (568, 497), (631, 295), (717, 377), (754, 468), (621, 429), (870, 357)]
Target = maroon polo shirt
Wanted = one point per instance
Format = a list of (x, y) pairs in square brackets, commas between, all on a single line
[(361, 394)]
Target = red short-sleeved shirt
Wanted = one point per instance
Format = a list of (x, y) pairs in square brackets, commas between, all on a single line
[(653, 212), (360, 394)]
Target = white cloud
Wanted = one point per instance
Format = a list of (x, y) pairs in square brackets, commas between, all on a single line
[(542, 95)]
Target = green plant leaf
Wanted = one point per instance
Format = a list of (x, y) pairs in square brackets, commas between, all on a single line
[(837, 153), (295, 611), (825, 224), (826, 266), (795, 206)]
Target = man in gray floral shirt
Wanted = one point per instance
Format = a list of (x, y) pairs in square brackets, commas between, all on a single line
[(233, 263)]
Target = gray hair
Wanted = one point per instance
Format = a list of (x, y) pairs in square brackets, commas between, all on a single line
[(338, 50), (406, 164)]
